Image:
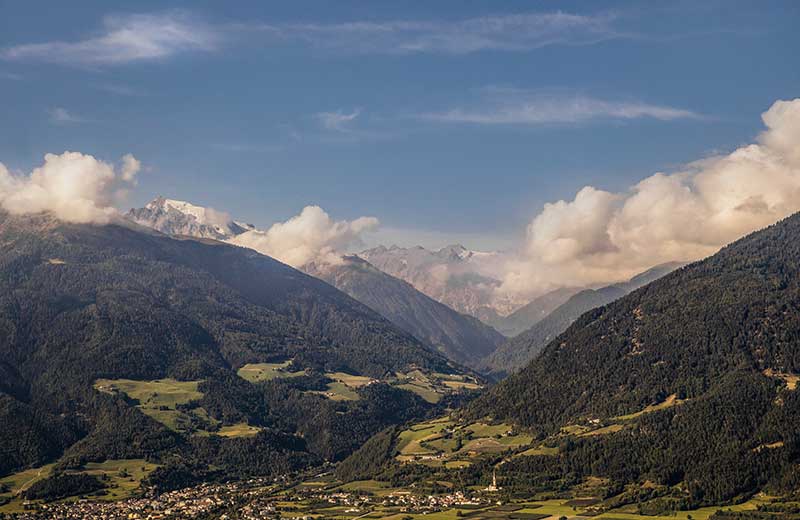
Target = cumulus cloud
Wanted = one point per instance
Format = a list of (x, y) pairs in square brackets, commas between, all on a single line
[(311, 236), (601, 237), (124, 39), (72, 186)]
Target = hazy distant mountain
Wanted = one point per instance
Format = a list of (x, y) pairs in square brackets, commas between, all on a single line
[(532, 313), (462, 338), (454, 275), (176, 217), (519, 350)]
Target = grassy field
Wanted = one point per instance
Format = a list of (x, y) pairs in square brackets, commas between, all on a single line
[(257, 372), (424, 391), (670, 401), (441, 441), (122, 478), (370, 486), (234, 430), (611, 428), (338, 391), (349, 379), (159, 399), (540, 450), (161, 392), (19, 482)]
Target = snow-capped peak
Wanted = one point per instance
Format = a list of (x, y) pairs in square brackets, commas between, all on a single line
[(178, 217)]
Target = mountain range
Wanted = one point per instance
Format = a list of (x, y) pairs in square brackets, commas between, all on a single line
[(681, 395), (463, 338), (454, 275), (120, 342)]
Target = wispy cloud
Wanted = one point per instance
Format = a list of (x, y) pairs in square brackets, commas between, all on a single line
[(119, 89), (133, 38), (501, 106), (247, 147), (338, 121), (124, 39), (513, 32), (11, 76), (60, 115)]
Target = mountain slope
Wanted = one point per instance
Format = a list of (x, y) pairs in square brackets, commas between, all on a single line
[(533, 312), (82, 303), (716, 345), (519, 350), (462, 338)]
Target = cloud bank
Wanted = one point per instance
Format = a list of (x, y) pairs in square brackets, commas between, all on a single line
[(124, 39), (601, 237), (311, 236), (72, 186)]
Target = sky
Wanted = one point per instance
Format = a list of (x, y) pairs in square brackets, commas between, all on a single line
[(447, 121)]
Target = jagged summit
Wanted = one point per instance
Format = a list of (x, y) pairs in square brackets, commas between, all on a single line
[(462, 278), (177, 217)]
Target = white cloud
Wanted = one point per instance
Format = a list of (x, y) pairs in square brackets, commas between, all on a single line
[(602, 237), (513, 32), (60, 115), (502, 106), (311, 236), (338, 121), (130, 167), (72, 186), (124, 39)]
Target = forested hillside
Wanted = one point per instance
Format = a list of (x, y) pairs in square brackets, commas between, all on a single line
[(695, 375), (81, 304), (521, 349)]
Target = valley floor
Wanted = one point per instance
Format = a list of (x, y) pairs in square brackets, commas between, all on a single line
[(321, 496)]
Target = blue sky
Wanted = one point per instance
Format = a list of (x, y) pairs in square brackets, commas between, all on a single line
[(452, 121)]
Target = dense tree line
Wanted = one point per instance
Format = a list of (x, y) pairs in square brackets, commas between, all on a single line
[(371, 458), (63, 485)]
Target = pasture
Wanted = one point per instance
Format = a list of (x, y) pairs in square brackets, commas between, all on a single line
[(258, 372)]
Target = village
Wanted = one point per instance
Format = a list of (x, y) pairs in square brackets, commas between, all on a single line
[(255, 499)]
